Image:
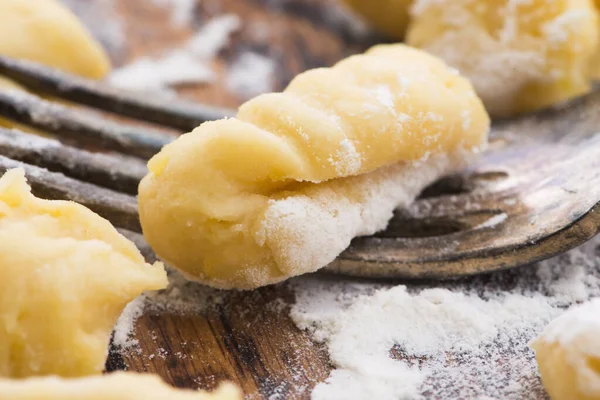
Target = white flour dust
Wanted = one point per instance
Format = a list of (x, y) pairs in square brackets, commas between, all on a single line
[(180, 297), (464, 339), (467, 339), (187, 65), (181, 11), (250, 75)]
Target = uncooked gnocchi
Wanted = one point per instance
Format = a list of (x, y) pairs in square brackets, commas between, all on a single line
[(519, 55), (66, 276), (114, 386), (281, 189), (45, 31), (568, 354)]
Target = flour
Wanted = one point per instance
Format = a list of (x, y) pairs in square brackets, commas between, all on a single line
[(124, 328), (250, 75), (182, 11), (493, 221), (214, 36), (466, 339), (187, 65), (580, 324), (180, 297)]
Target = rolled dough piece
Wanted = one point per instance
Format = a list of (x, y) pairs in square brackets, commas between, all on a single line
[(281, 189)]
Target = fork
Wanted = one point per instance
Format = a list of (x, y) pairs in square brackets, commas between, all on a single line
[(534, 194)]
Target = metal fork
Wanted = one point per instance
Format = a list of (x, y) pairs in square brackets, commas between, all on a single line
[(533, 195)]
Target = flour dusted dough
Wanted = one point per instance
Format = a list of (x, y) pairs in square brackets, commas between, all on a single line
[(388, 16), (520, 55), (114, 386), (281, 189), (568, 354), (66, 276), (45, 31)]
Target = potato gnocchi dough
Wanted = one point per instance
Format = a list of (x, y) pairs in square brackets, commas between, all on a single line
[(568, 354), (519, 55), (45, 31), (67, 274), (114, 386), (281, 189)]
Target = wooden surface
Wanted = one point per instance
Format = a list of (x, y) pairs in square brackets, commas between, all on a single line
[(249, 338)]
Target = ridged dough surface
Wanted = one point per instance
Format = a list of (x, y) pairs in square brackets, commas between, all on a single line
[(213, 200), (519, 55), (66, 274), (568, 354), (114, 386), (45, 31)]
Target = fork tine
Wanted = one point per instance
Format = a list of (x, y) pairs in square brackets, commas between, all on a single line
[(80, 126), (168, 112), (117, 173), (118, 208), (442, 257)]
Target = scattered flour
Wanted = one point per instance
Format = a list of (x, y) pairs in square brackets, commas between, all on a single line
[(467, 339), (462, 339), (182, 11), (250, 75), (214, 36), (187, 65), (181, 297), (124, 328), (176, 68), (492, 222)]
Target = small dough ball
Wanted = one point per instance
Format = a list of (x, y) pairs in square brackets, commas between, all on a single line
[(114, 386), (45, 31), (66, 274), (388, 16), (520, 55), (568, 354)]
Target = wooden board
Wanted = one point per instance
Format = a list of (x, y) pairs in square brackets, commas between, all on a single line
[(250, 338)]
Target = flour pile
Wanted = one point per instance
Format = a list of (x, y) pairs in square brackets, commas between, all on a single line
[(467, 339)]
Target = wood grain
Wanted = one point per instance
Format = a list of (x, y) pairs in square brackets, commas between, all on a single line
[(249, 339)]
